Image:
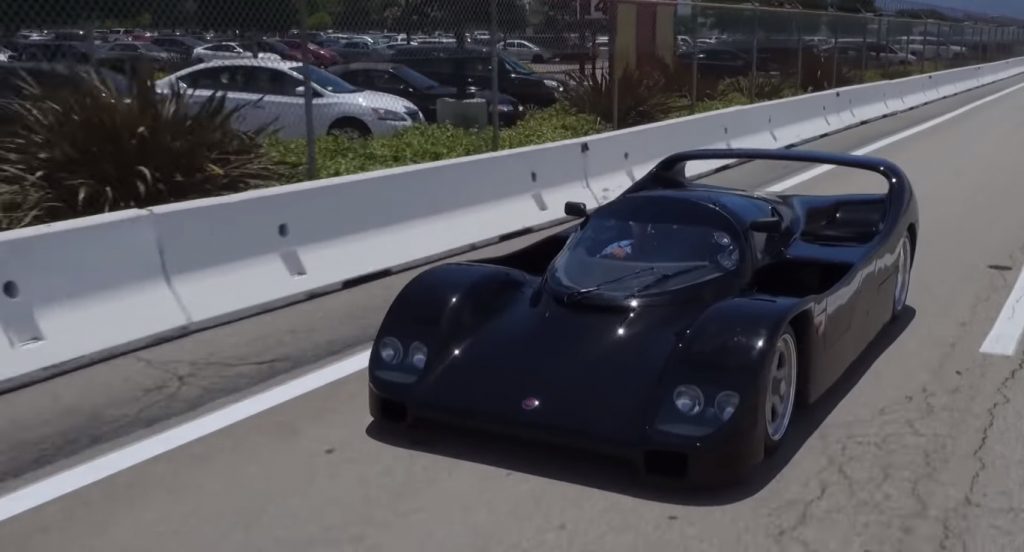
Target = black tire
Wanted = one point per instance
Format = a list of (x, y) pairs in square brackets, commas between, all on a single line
[(349, 128), (779, 382), (904, 266)]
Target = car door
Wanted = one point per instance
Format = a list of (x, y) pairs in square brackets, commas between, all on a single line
[(226, 81), (272, 100)]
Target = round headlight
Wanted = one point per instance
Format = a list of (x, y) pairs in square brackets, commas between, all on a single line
[(418, 355), (726, 403), (390, 350), (689, 400)]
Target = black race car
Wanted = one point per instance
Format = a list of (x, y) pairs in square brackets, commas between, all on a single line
[(678, 324)]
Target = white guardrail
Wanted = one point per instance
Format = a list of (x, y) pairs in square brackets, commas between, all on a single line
[(77, 291)]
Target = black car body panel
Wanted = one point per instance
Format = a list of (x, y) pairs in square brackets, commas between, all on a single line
[(423, 92), (470, 67), (540, 342)]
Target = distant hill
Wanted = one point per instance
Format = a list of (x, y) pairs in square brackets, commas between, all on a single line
[(1013, 8)]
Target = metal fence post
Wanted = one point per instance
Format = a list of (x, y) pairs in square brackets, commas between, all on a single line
[(864, 55), (613, 61), (835, 55), (495, 132), (311, 169), (753, 65), (924, 46), (883, 42), (799, 57), (694, 72)]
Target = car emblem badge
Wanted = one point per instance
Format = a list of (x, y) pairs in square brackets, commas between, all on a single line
[(530, 403)]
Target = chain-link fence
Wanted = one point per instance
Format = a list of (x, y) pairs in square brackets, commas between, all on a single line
[(300, 71), (729, 54)]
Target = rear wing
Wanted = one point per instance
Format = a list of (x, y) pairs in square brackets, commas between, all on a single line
[(899, 192)]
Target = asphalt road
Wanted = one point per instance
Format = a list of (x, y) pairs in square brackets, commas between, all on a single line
[(916, 448)]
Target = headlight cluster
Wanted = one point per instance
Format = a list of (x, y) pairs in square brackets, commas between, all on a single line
[(695, 411), (401, 365), (389, 115), (689, 400)]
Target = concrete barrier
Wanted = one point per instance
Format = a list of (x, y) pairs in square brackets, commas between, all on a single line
[(80, 287), (228, 255), (73, 291)]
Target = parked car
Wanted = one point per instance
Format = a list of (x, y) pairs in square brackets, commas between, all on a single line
[(52, 51), (318, 56), (272, 94), (470, 68), (929, 47), (397, 79), (522, 50), (179, 46), (353, 51), (271, 47), (228, 51), (134, 53), (718, 62), (874, 53)]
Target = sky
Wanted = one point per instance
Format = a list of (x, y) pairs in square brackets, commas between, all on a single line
[(1001, 7)]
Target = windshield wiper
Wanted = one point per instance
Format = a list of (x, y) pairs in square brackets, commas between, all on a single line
[(669, 275), (581, 292)]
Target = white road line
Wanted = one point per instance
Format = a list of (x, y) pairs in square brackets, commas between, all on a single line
[(1005, 335), (57, 485), (822, 169)]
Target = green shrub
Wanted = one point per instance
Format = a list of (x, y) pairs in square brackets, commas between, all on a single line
[(553, 124), (645, 95), (740, 89), (428, 143), (92, 152)]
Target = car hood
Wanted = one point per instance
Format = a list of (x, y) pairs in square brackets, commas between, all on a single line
[(380, 100), (595, 371)]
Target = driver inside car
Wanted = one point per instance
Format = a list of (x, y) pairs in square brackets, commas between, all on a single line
[(620, 249)]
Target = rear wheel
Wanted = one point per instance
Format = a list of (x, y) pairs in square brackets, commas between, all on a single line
[(904, 261), (349, 128), (779, 394)]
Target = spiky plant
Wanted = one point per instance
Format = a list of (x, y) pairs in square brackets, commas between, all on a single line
[(92, 151)]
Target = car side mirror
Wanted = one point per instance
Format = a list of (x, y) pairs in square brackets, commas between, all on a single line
[(576, 209), (300, 91), (771, 225)]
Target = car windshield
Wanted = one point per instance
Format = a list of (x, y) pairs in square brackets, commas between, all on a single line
[(146, 47), (325, 80), (516, 67), (648, 245), (417, 80)]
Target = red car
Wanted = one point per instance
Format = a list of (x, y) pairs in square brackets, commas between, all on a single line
[(318, 56)]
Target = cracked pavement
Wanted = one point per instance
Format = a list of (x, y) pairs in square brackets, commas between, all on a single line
[(917, 448)]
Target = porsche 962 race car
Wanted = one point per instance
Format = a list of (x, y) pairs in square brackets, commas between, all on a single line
[(679, 324)]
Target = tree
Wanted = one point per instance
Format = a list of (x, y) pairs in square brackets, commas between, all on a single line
[(459, 16), (320, 21)]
